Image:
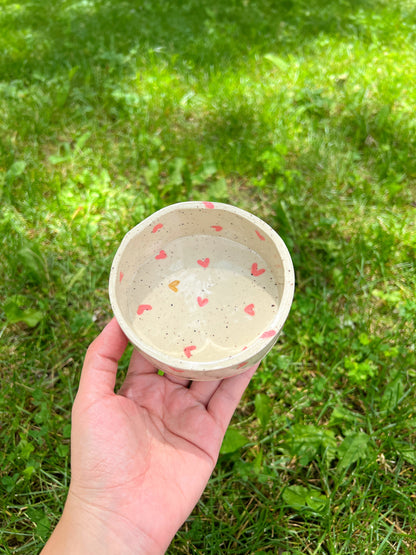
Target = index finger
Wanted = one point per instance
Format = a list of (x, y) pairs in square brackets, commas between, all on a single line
[(99, 371)]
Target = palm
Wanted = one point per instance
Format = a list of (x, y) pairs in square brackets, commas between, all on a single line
[(154, 444)]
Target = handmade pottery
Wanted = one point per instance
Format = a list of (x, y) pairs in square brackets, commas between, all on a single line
[(202, 289)]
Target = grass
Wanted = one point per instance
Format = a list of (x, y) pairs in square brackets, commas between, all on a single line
[(303, 113)]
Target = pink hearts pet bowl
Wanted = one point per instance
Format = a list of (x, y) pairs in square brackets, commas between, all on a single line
[(202, 289)]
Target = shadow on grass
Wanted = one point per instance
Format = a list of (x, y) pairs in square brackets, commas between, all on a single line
[(106, 40), (42, 38)]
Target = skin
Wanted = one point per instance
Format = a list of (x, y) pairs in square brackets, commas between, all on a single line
[(141, 457)]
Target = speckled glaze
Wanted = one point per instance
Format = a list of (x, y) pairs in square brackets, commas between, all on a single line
[(202, 289)]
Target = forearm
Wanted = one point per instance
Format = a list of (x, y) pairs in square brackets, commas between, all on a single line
[(84, 531)]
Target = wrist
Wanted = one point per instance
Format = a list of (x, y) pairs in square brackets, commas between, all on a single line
[(84, 529)]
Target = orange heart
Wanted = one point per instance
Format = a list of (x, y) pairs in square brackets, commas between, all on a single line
[(174, 285)]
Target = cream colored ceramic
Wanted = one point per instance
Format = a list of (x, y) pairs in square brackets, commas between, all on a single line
[(202, 289)]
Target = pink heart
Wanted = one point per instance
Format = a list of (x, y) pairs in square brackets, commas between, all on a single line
[(161, 255), (201, 301), (217, 227), (249, 309), (121, 276), (157, 227), (175, 369), (256, 271), (204, 263), (188, 350), (269, 333), (208, 205), (260, 236), (143, 307)]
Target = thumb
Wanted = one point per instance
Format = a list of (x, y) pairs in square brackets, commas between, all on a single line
[(98, 376)]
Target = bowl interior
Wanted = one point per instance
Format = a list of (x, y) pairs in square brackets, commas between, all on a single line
[(201, 284)]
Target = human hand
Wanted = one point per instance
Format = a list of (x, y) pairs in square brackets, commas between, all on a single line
[(140, 458)]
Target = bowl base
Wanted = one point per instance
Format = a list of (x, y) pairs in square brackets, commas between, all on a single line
[(202, 298)]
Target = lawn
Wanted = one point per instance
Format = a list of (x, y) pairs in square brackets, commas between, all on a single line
[(301, 111)]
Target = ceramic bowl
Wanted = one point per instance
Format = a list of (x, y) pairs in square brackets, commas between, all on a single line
[(202, 289)]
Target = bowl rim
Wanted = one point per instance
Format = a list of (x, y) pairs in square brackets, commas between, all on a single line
[(255, 346)]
